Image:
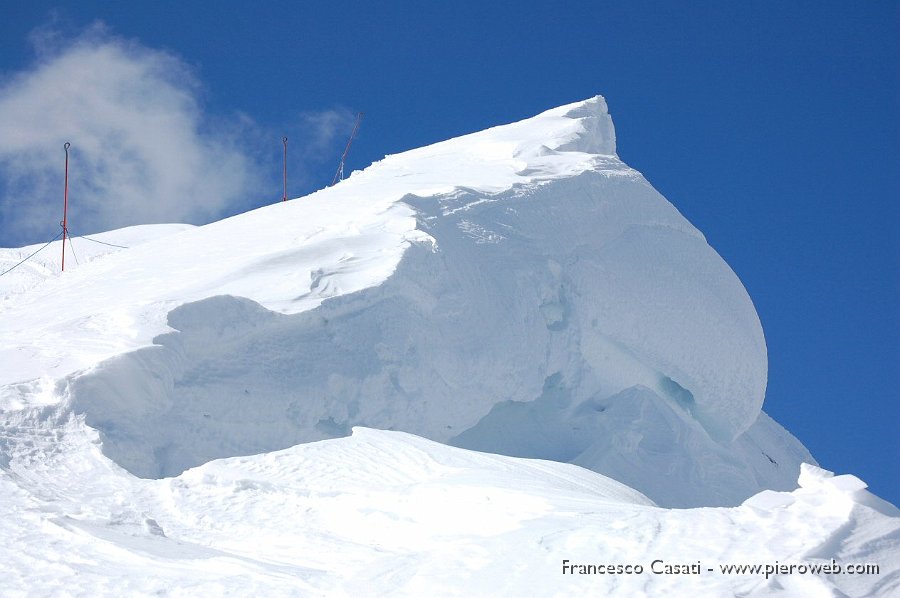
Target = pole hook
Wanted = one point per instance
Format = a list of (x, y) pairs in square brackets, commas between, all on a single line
[(66, 146)]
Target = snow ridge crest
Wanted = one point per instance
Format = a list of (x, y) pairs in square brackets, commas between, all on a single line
[(597, 135)]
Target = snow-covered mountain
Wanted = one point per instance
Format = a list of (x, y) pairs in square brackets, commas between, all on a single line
[(518, 291)]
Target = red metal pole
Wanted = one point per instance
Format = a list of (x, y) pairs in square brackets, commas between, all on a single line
[(284, 196), (65, 208)]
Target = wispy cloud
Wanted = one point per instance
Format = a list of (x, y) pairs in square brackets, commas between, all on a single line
[(317, 140), (142, 149)]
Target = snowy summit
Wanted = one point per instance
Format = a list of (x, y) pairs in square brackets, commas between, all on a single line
[(287, 402)]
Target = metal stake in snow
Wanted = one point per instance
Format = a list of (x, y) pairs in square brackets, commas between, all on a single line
[(65, 208), (339, 175), (284, 196)]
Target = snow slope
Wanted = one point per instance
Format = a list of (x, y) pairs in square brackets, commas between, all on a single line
[(518, 291), (389, 514)]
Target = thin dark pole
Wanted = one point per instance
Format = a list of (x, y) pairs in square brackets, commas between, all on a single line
[(65, 219), (284, 196), (339, 175)]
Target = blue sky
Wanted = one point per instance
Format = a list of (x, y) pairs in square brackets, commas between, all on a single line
[(773, 126)]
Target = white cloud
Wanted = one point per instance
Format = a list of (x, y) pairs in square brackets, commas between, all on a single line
[(317, 139), (142, 149), (322, 129)]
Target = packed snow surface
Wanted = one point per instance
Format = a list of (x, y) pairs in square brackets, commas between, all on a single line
[(390, 514), (518, 291)]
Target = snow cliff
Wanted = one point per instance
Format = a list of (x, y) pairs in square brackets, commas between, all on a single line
[(519, 290)]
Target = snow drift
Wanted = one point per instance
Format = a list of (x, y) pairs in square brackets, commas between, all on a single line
[(518, 290)]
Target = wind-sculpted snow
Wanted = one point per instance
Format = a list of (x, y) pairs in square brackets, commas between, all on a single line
[(511, 347), (438, 292), (519, 291)]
